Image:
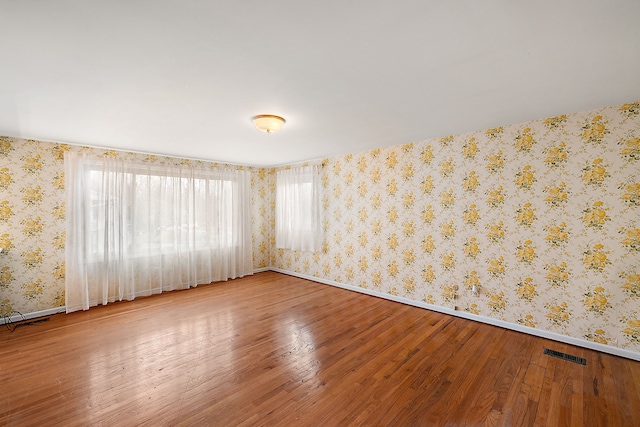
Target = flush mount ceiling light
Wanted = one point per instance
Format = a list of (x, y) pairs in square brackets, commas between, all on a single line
[(268, 123)]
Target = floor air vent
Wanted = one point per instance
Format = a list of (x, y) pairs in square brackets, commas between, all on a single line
[(570, 358)]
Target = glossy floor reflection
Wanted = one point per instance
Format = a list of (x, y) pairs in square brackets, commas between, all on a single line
[(272, 349)]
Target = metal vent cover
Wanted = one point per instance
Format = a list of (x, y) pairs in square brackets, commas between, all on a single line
[(569, 357)]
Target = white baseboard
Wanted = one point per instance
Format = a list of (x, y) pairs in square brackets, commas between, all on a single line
[(483, 319), (26, 316), (17, 318)]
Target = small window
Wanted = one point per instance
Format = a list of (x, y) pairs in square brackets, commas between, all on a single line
[(298, 213)]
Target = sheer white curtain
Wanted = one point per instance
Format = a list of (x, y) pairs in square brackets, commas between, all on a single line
[(139, 228), (298, 208)]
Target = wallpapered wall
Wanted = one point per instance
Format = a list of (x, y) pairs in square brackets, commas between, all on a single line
[(542, 216), (32, 220)]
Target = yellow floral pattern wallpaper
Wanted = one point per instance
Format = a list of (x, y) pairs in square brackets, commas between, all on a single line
[(32, 220), (543, 218)]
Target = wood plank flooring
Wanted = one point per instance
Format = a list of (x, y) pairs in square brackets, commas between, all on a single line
[(275, 350)]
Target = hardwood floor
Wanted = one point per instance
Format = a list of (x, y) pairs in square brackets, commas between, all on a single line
[(271, 349)]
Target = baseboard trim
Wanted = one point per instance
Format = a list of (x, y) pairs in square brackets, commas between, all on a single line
[(26, 316), (16, 318), (477, 318)]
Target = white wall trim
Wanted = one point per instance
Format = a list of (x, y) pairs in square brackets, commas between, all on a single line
[(482, 319), (16, 318)]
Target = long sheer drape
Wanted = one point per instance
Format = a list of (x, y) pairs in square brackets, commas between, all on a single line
[(140, 228), (298, 208)]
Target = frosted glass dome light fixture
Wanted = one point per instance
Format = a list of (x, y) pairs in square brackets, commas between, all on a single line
[(268, 123)]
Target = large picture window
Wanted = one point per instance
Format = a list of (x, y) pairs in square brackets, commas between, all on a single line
[(156, 218), (137, 228)]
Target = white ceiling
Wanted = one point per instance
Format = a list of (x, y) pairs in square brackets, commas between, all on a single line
[(185, 77)]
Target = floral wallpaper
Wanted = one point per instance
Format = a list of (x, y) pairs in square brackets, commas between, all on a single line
[(541, 217), (32, 221), (262, 191)]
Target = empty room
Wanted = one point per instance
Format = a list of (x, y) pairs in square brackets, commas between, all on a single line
[(219, 213)]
